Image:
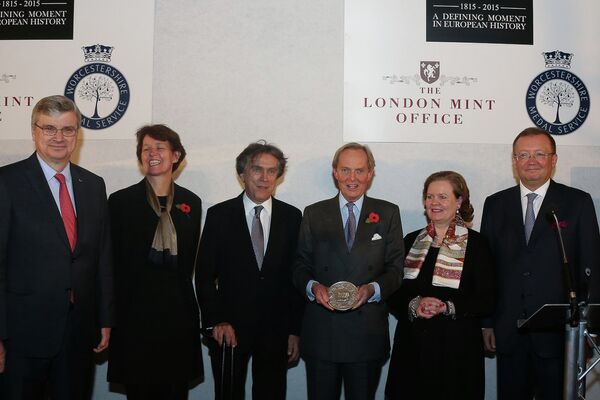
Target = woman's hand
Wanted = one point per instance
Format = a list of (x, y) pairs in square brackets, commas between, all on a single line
[(429, 307)]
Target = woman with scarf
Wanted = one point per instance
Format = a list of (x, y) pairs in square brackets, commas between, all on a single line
[(155, 349), (448, 285)]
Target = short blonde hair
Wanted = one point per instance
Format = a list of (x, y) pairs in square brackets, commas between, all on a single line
[(354, 146)]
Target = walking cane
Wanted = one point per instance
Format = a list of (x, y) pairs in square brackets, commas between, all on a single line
[(223, 359)]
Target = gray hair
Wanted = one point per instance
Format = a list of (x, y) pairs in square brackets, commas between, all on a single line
[(253, 150), (54, 105)]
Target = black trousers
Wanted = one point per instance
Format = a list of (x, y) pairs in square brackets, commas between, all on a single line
[(324, 379), (269, 370), (65, 376), (523, 374)]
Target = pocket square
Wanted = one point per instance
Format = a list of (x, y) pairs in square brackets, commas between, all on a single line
[(376, 236)]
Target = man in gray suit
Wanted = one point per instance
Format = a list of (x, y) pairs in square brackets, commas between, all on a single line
[(358, 239)]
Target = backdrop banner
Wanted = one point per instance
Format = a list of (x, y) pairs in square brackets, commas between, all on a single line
[(470, 72), (90, 51)]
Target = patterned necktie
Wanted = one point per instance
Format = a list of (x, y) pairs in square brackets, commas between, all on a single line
[(257, 236), (67, 211), (350, 225), (529, 216)]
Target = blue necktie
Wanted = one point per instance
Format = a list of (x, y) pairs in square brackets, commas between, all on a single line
[(350, 225), (529, 216)]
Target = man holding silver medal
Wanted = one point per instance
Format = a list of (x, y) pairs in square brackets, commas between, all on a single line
[(350, 258)]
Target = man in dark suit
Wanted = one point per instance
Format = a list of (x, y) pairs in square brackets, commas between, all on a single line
[(244, 283), (523, 239), (358, 239), (55, 268)]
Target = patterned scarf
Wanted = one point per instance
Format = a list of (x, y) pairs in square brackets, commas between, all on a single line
[(164, 244), (450, 259)]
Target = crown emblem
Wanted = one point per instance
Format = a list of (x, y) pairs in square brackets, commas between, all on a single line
[(557, 59), (97, 52)]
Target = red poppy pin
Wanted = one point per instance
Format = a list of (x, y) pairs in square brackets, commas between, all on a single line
[(561, 224), (184, 208), (373, 218)]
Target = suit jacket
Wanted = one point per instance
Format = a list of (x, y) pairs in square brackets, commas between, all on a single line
[(231, 288), (531, 275), (323, 256), (157, 305), (38, 268)]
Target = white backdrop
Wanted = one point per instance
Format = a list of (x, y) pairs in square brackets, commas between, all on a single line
[(230, 72)]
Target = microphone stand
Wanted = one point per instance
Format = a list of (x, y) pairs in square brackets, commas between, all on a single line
[(574, 314), (575, 332)]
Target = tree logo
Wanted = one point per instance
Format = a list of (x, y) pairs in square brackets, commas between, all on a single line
[(100, 90), (557, 100)]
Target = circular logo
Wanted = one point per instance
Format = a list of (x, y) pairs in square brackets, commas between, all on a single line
[(557, 101), (101, 92)]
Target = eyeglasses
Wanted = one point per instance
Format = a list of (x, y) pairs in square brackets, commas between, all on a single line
[(538, 156), (50, 130)]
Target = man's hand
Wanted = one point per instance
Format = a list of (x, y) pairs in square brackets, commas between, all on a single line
[(224, 332), (2, 357), (489, 340), (293, 350), (321, 295), (365, 292), (104, 340)]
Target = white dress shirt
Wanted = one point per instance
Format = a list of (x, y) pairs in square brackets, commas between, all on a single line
[(537, 202)]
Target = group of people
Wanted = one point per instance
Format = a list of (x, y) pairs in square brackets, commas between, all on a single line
[(80, 275)]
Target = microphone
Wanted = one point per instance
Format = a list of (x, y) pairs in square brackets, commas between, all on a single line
[(568, 279)]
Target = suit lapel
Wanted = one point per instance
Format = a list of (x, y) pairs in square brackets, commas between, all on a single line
[(147, 218), (514, 211), (333, 217), (177, 216), (239, 228), (42, 190), (82, 203), (364, 231), (276, 232)]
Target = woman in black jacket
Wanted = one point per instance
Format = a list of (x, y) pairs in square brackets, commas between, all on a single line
[(155, 349)]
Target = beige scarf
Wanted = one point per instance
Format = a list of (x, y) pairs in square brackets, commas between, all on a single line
[(450, 259), (164, 244)]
